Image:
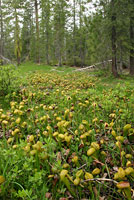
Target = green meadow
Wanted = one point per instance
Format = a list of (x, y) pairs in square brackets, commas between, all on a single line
[(65, 134)]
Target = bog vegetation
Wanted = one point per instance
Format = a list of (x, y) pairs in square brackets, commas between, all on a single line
[(66, 132), (66, 135)]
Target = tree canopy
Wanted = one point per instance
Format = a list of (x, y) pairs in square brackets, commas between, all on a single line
[(76, 33)]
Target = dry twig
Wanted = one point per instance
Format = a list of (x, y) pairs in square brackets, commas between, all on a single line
[(101, 179)]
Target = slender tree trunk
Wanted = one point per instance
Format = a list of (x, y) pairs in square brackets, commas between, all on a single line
[(37, 34), (74, 31), (47, 46), (114, 61), (121, 59), (17, 39), (47, 29), (59, 52), (18, 59), (132, 41), (80, 32), (84, 50), (60, 37), (1, 34)]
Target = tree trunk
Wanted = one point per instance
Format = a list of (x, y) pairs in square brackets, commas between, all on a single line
[(132, 42), (114, 61), (60, 57), (80, 15), (47, 26), (17, 39), (47, 31), (18, 59), (120, 68), (74, 31), (1, 34), (47, 46), (37, 34)]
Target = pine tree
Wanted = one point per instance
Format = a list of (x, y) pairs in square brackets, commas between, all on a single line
[(74, 31), (131, 37), (37, 32), (26, 33), (18, 47), (60, 17), (46, 30), (1, 33), (13, 12), (113, 38)]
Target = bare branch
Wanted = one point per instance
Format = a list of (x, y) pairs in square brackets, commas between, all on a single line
[(93, 66), (101, 179)]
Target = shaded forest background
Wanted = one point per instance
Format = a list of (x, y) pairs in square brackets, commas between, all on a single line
[(63, 32)]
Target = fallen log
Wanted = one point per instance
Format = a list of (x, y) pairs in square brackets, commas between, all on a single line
[(93, 66), (8, 61)]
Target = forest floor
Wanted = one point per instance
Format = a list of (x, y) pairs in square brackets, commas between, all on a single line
[(66, 134)]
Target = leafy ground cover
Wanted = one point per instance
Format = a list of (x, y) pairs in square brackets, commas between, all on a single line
[(67, 135)]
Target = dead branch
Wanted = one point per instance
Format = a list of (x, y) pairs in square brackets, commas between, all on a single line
[(93, 66), (8, 60), (101, 179)]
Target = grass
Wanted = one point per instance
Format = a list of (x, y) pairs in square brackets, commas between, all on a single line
[(66, 134), (32, 67)]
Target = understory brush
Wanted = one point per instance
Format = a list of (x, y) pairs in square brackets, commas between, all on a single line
[(10, 83)]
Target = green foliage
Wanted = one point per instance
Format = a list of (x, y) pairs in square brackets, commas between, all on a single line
[(63, 129), (69, 33), (21, 175), (8, 80), (18, 48)]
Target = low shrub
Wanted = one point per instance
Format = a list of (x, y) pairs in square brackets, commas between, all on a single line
[(9, 81)]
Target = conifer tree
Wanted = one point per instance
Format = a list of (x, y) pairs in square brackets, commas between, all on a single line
[(1, 33), (37, 32), (131, 37), (46, 30), (113, 38), (60, 17)]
